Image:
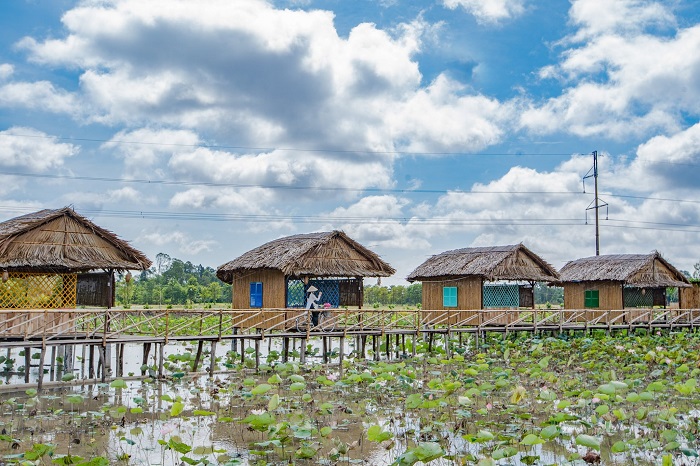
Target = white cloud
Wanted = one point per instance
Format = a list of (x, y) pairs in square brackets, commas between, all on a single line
[(30, 149), (182, 241), (625, 79), (239, 202), (379, 221), (489, 11), (439, 118), (604, 17), (40, 95), (145, 148), (6, 70), (264, 77), (280, 168), (666, 162)]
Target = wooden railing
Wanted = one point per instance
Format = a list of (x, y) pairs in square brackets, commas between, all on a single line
[(54, 324)]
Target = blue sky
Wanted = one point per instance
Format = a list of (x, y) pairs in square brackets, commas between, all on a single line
[(203, 129)]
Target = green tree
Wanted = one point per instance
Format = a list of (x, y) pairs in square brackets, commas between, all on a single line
[(173, 281), (414, 294)]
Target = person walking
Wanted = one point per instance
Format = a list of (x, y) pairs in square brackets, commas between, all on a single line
[(311, 303)]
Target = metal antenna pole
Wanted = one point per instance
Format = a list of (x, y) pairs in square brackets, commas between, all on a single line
[(597, 219), (597, 202)]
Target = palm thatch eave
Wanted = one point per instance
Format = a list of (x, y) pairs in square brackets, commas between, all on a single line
[(511, 262), (324, 254), (62, 241), (640, 270)]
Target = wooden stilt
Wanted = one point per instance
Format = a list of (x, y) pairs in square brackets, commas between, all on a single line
[(397, 346), (69, 359), (387, 341), (144, 359), (413, 345), (212, 366), (447, 345), (341, 355), (107, 361), (302, 351), (430, 342), (52, 362), (91, 362), (324, 349), (102, 350), (27, 363), (198, 356), (243, 352), (234, 341), (120, 360), (161, 359), (285, 349), (62, 360), (377, 347), (257, 354), (42, 355)]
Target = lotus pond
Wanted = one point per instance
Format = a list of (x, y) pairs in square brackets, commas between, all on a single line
[(513, 400)]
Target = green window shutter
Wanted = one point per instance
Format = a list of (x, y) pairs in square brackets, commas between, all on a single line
[(449, 296), (591, 299)]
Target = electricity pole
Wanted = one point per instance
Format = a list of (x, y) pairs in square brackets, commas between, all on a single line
[(597, 202)]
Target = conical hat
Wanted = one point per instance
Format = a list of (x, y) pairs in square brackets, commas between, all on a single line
[(311, 289)]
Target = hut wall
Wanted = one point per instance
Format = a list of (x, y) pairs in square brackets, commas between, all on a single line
[(469, 297), (273, 288), (609, 298), (689, 298), (25, 291)]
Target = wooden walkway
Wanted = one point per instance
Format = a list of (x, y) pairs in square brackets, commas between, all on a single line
[(102, 329)]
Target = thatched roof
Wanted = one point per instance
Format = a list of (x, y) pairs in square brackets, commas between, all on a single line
[(62, 241), (326, 254), (514, 262), (645, 270)]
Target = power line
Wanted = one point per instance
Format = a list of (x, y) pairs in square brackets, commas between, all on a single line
[(322, 188), (415, 221), (263, 186), (287, 149), (328, 150), (652, 198)]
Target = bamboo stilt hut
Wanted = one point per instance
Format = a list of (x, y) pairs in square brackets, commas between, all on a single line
[(495, 278)]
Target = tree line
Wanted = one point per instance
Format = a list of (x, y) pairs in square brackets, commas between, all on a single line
[(171, 281)]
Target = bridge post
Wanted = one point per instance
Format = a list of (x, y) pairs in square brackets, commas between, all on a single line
[(212, 362), (42, 355)]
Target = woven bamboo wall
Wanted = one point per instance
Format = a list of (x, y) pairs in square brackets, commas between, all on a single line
[(24, 290), (468, 297), (609, 298), (273, 297), (690, 297)]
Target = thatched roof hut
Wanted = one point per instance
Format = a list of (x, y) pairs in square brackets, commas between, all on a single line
[(325, 254), (513, 262), (61, 241), (639, 270), (287, 272)]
